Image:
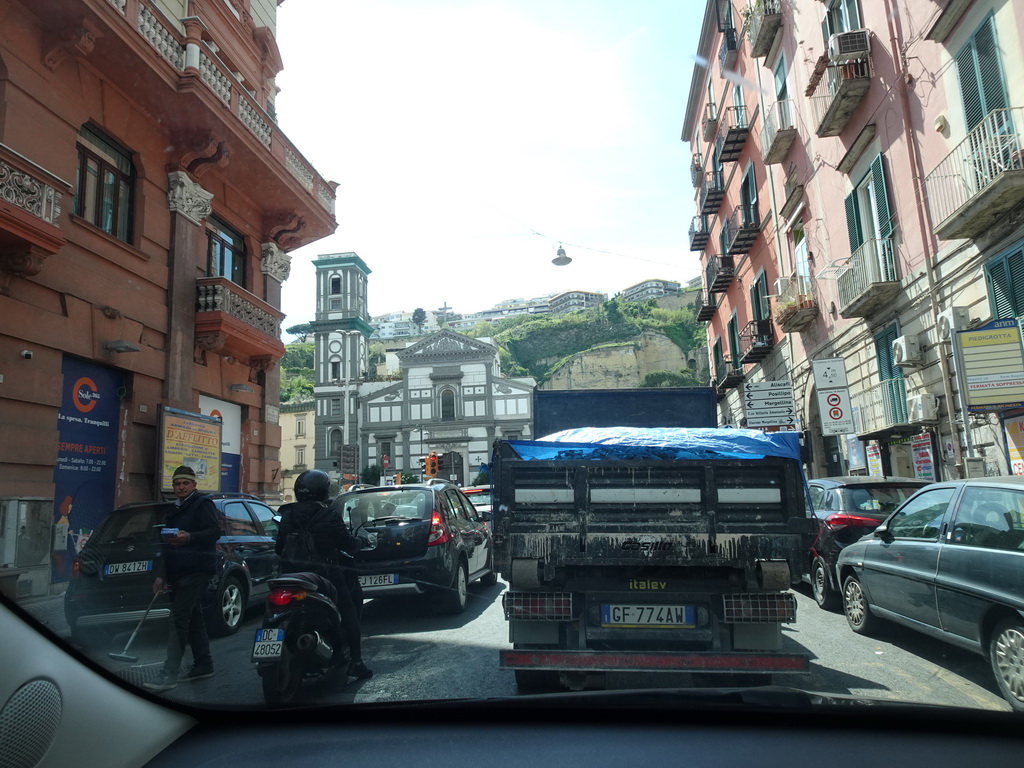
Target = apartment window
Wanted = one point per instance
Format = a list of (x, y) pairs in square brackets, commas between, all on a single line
[(841, 16), (1005, 278), (869, 223), (225, 252), (104, 184), (300, 427), (759, 297), (981, 78), (734, 340), (335, 285), (300, 457), (335, 370), (336, 406)]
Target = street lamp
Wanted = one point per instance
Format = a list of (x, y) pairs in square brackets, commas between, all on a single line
[(561, 259)]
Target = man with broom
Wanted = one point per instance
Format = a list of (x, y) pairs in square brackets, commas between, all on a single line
[(189, 538)]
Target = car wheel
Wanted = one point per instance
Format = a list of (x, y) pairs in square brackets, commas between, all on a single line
[(855, 606), (1006, 654), (490, 578), (228, 608), (453, 599), (824, 595)]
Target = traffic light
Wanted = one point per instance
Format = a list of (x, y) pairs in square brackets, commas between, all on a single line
[(431, 466), (442, 465)]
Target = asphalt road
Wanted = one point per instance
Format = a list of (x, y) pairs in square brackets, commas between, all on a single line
[(416, 653)]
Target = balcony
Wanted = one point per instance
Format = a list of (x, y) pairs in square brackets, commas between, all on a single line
[(712, 191), (756, 341), (719, 273), (763, 21), (699, 233), (733, 129), (727, 376), (741, 229), (779, 132), (709, 124), (795, 305), (881, 410), (234, 323), (982, 180), (835, 91), (728, 51), (696, 169), (867, 282), (705, 307)]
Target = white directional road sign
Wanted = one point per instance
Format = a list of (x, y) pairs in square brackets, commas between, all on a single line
[(769, 404)]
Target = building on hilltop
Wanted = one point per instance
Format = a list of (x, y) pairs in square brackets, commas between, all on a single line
[(649, 289)]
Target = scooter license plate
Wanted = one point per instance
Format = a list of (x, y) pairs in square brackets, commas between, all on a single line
[(268, 645)]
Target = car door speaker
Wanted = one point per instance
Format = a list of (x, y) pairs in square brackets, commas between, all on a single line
[(28, 723)]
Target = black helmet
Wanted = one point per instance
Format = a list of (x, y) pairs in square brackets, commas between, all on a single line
[(313, 485)]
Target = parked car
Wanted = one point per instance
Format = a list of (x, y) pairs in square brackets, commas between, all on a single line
[(480, 496), (949, 563), (424, 539), (847, 508), (112, 577)]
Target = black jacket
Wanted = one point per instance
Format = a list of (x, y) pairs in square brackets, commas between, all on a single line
[(197, 515), (330, 531)]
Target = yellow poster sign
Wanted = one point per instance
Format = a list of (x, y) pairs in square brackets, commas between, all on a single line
[(190, 440), (993, 366)]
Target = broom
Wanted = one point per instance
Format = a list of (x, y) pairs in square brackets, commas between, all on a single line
[(124, 655)]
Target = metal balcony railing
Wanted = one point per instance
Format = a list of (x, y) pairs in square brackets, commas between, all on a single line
[(719, 273), (779, 131), (741, 229), (763, 21), (795, 304), (733, 129), (727, 375), (756, 341), (982, 179), (728, 50), (696, 169), (880, 407), (712, 191), (868, 280), (705, 306), (709, 123), (699, 233), (836, 92)]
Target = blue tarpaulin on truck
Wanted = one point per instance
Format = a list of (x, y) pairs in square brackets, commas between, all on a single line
[(667, 443)]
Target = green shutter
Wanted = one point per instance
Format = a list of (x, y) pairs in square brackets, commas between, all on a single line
[(981, 79), (884, 217), (1006, 283), (853, 222)]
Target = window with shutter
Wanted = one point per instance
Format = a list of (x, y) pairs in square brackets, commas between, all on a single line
[(734, 339), (759, 297), (1005, 277), (982, 86)]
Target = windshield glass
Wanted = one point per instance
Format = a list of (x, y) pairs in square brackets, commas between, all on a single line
[(320, 283)]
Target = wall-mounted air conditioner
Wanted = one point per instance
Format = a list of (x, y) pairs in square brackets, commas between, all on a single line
[(922, 408), (847, 46), (950, 321), (906, 351)]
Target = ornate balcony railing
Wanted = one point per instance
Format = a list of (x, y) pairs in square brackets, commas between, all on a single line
[(779, 131), (982, 179), (234, 322)]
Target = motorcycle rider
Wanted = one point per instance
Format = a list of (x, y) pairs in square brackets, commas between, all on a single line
[(312, 490)]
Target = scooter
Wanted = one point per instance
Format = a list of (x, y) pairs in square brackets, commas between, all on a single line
[(301, 637)]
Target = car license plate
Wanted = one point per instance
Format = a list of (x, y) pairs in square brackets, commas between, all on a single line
[(268, 645), (378, 579), (119, 569), (668, 616)]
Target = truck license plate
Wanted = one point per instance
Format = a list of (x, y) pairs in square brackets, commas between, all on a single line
[(668, 616)]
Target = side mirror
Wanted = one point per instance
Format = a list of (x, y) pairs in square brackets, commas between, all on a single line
[(485, 516), (882, 532)]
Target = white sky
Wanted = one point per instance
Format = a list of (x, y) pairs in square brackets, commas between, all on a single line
[(459, 129)]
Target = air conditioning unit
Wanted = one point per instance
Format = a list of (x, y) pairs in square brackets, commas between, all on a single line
[(952, 320), (847, 46), (906, 351), (922, 408)]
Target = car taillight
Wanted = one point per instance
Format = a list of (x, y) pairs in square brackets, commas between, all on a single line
[(438, 532), (76, 567), (842, 519), (285, 596)]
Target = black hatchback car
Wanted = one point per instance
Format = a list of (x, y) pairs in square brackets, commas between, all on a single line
[(112, 577), (423, 539), (949, 563), (845, 509)]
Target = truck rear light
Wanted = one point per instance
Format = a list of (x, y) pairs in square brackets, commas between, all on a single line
[(537, 606), (438, 532), (753, 607)]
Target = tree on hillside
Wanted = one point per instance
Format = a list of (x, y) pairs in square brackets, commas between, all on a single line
[(419, 317), (302, 330)]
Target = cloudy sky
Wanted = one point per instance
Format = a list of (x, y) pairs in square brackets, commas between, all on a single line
[(471, 137)]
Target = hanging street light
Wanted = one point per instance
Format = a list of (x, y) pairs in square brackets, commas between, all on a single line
[(560, 259)]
